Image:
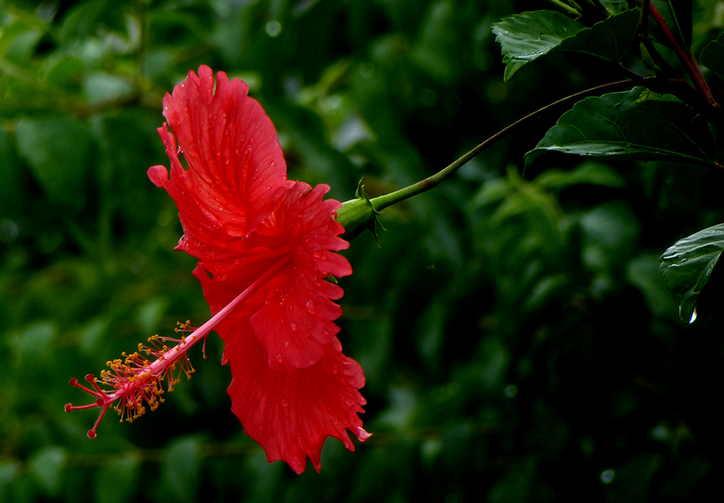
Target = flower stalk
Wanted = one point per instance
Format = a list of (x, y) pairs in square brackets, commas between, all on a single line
[(379, 203)]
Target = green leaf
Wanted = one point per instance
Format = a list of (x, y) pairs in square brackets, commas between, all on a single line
[(180, 469), (526, 37), (8, 474), (688, 264), (122, 475), (436, 43), (66, 73), (713, 56), (56, 151), (101, 87), (632, 125), (592, 172), (9, 33), (47, 465), (530, 35), (614, 6)]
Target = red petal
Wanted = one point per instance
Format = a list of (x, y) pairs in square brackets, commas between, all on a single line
[(292, 386), (291, 415), (295, 321), (236, 166), (293, 313)]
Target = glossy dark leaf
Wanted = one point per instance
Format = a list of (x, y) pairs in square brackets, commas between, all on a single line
[(526, 37), (688, 264), (632, 125)]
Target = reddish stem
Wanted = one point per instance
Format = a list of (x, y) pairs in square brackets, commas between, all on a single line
[(686, 57)]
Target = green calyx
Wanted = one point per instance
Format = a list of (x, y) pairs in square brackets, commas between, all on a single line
[(357, 214)]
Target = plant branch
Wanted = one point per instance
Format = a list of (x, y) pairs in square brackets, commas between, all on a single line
[(656, 57), (433, 181), (685, 56)]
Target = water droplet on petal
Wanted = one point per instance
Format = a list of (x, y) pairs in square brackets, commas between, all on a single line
[(286, 344), (324, 258), (317, 252), (310, 307), (280, 358), (293, 326)]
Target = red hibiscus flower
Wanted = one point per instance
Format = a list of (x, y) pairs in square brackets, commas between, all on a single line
[(265, 246)]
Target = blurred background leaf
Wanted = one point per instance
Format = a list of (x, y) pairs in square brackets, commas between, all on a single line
[(518, 342)]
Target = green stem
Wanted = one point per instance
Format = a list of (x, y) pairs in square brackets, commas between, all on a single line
[(381, 202)]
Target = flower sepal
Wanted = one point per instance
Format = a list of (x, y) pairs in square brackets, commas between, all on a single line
[(358, 214)]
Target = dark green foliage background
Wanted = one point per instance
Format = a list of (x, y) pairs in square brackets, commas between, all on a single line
[(518, 340)]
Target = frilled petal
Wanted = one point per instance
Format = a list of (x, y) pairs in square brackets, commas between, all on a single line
[(236, 169), (293, 314), (295, 321), (291, 414), (292, 387), (277, 241)]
